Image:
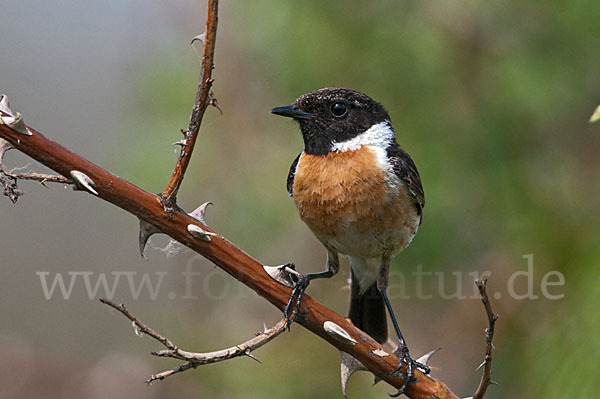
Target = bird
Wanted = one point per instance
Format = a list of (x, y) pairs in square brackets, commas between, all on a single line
[(361, 195)]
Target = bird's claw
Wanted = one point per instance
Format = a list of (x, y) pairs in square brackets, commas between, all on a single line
[(404, 357), (301, 282)]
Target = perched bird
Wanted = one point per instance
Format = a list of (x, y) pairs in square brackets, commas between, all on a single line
[(360, 194)]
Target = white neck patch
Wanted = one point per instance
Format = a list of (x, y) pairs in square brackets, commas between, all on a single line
[(379, 135)]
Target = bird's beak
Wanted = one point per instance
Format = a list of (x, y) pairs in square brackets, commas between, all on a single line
[(291, 111)]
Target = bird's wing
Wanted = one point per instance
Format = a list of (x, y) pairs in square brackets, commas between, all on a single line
[(291, 174), (404, 167)]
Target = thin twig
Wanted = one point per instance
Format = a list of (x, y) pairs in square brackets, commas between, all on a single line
[(143, 328), (486, 379), (195, 359), (8, 180), (168, 373), (41, 177), (204, 98)]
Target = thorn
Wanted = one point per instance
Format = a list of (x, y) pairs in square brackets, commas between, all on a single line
[(349, 366), (282, 274), (137, 330), (380, 352), (83, 181), (213, 101), (198, 232), (480, 366), (181, 142), (16, 123), (146, 230), (199, 212), (4, 105), (199, 38), (492, 382), (338, 333), (426, 357), (251, 356)]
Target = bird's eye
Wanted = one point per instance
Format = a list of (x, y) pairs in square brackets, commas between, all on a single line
[(338, 109)]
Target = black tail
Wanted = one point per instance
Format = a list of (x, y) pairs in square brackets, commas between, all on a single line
[(367, 311)]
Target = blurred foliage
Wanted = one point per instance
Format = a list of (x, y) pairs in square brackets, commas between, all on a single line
[(596, 115), (491, 99)]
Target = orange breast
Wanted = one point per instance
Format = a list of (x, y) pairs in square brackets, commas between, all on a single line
[(347, 190)]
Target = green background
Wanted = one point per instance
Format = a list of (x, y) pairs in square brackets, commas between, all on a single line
[(491, 99)]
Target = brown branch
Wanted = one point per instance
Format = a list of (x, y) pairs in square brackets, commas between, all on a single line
[(195, 359), (204, 98), (486, 379)]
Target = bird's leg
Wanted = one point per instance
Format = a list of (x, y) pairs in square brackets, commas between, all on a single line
[(303, 280), (402, 350)]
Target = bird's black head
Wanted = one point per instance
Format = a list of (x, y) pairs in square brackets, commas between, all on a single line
[(332, 116)]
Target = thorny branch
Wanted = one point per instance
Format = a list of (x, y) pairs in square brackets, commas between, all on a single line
[(195, 359), (8, 179), (160, 214), (489, 338), (204, 98)]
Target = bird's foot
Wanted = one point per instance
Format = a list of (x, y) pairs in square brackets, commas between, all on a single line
[(283, 274), (404, 357), (301, 282)]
